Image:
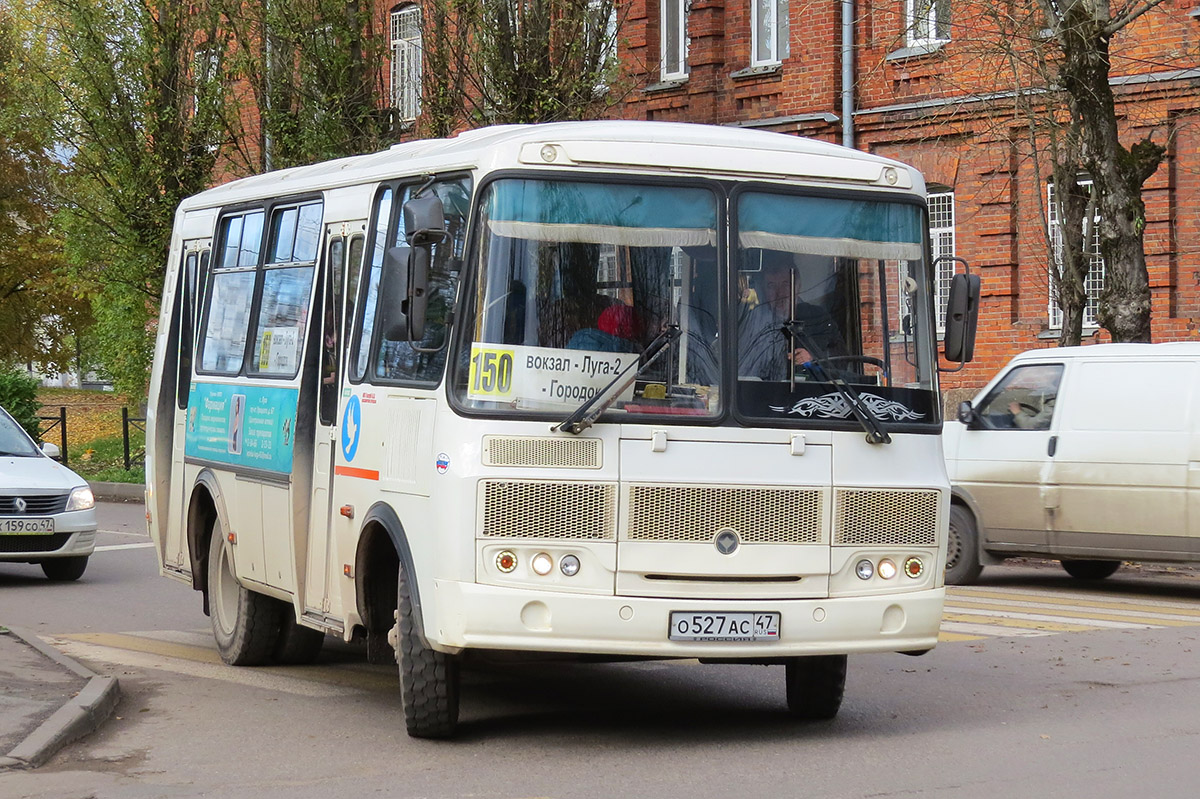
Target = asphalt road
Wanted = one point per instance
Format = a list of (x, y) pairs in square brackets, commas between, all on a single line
[(1041, 688)]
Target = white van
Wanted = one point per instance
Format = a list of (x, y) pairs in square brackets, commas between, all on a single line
[(1090, 455)]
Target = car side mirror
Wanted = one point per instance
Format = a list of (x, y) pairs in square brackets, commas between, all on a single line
[(51, 451), (967, 414)]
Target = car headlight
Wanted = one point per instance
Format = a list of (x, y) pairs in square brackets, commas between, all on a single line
[(81, 499)]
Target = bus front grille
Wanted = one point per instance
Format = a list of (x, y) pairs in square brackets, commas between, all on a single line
[(544, 451), (878, 517), (758, 514), (537, 509)]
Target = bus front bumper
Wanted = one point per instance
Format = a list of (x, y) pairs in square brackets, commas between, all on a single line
[(473, 616)]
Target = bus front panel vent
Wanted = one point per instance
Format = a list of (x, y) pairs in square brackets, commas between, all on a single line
[(758, 514), (542, 451), (875, 517), (537, 509)]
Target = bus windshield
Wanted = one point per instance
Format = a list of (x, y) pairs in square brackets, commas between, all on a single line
[(823, 319), (833, 310), (575, 279)]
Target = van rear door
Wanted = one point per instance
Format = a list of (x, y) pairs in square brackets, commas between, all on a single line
[(1119, 476)]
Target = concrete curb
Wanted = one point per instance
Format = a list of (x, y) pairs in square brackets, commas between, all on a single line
[(84, 713), (118, 492)]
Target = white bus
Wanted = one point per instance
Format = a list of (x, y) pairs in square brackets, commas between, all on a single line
[(624, 389)]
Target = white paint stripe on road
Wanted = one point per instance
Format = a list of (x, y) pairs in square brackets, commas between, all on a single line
[(1116, 625), (991, 630), (111, 547), (1026, 603), (123, 532)]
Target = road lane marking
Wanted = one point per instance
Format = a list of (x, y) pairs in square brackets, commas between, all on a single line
[(977, 631), (1026, 624), (1180, 607), (1083, 612), (112, 547)]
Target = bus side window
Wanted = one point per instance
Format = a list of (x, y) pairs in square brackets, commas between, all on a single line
[(330, 326), (184, 310), (287, 290), (362, 343), (424, 362), (226, 323)]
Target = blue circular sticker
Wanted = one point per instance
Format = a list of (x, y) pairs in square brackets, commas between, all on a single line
[(351, 424)]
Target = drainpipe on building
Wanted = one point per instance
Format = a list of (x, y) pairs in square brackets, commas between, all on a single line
[(848, 73)]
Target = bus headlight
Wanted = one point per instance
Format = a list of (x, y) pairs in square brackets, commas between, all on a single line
[(569, 565), (865, 569), (541, 564), (887, 569)]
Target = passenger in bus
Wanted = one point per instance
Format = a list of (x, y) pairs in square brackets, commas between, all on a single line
[(617, 330), (770, 339)]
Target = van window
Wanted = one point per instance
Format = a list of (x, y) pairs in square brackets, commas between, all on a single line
[(1024, 399), (1136, 395)]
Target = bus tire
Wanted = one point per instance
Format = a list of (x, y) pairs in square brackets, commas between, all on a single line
[(962, 548), (815, 686), (297, 644), (245, 624), (1091, 569), (428, 678)]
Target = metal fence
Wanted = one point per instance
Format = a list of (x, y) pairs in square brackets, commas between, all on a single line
[(49, 424), (138, 458)]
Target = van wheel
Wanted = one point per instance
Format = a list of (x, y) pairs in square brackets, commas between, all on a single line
[(815, 686), (962, 548), (297, 644), (245, 624), (64, 570), (428, 679), (1091, 569)]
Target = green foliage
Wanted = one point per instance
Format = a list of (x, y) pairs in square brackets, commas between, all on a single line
[(315, 76), (103, 459), (18, 396), (499, 61)]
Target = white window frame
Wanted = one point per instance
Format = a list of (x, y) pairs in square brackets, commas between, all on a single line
[(922, 24), (769, 22), (673, 53), (942, 244), (405, 28), (1093, 284)]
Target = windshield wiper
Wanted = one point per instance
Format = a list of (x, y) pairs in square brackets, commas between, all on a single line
[(870, 423), (586, 414)]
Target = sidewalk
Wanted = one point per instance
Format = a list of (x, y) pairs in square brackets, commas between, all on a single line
[(118, 492), (47, 700)]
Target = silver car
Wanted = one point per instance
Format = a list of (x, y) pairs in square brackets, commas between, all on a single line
[(47, 512)]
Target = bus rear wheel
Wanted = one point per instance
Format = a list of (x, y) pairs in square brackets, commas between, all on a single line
[(297, 644), (815, 686), (245, 624), (428, 678)]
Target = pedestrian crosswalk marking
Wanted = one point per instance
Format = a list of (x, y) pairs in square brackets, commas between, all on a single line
[(975, 612)]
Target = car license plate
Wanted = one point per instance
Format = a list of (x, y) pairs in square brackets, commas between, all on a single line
[(687, 625), (26, 526)]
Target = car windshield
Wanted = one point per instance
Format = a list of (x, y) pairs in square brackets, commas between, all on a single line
[(575, 279), (833, 310), (13, 440)]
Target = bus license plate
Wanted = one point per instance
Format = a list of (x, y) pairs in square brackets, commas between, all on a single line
[(730, 626), (26, 526)]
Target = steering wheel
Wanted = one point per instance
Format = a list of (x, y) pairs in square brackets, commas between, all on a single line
[(1027, 407)]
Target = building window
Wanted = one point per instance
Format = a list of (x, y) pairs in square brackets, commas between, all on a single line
[(769, 37), (941, 239), (674, 39), (1093, 284), (406, 61), (928, 22)]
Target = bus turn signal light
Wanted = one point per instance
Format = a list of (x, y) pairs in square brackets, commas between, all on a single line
[(913, 567)]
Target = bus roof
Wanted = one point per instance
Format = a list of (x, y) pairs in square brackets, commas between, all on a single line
[(645, 147)]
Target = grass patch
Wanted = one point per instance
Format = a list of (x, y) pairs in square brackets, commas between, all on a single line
[(94, 443)]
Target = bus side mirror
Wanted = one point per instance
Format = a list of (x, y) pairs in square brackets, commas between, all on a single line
[(962, 317), (394, 294), (424, 220)]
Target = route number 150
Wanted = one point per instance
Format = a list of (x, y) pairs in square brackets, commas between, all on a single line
[(491, 372)]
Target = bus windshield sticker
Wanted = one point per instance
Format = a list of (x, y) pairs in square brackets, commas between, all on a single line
[(242, 425), (542, 377)]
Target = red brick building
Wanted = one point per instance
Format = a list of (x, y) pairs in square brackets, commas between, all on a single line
[(921, 84)]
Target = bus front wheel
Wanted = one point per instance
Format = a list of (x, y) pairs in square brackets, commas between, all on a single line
[(815, 686), (428, 678), (245, 624)]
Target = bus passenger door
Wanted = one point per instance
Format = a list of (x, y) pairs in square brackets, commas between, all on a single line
[(189, 290), (320, 598)]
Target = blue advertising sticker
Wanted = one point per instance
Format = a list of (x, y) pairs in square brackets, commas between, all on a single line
[(351, 426), (242, 425)]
